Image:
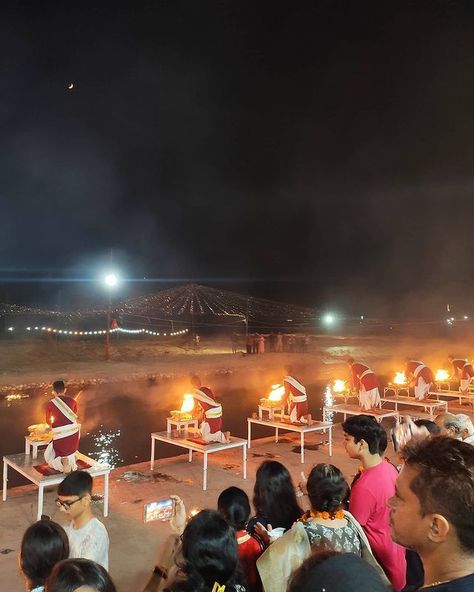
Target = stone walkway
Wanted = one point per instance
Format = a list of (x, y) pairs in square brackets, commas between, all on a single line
[(134, 546)]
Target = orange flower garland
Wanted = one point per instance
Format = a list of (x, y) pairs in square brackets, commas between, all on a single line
[(338, 515)]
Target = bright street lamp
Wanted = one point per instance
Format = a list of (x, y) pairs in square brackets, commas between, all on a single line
[(328, 319), (111, 280)]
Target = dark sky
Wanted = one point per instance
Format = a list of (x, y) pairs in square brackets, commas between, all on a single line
[(324, 149)]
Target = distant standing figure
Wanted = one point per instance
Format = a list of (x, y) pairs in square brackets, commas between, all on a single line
[(197, 341), (306, 343), (272, 341), (249, 343), (279, 343), (291, 344), (234, 340), (255, 343), (261, 344)]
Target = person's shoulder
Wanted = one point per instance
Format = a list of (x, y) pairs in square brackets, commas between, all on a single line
[(364, 486), (71, 401), (98, 526), (388, 467)]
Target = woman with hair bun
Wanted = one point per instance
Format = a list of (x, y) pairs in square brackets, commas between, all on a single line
[(326, 524)]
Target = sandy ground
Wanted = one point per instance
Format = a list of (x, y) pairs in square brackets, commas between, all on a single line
[(135, 546), (33, 362)]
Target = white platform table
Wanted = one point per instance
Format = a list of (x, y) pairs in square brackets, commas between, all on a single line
[(428, 405), (347, 409), (24, 464), (180, 425), (182, 441), (454, 395), (270, 410), (316, 426), (397, 389), (31, 444)]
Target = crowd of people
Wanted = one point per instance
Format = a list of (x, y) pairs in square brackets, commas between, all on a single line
[(258, 343), (407, 527)]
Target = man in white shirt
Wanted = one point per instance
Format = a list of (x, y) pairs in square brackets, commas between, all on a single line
[(88, 538)]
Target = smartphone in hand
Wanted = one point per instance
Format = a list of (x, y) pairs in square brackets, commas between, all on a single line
[(161, 510)]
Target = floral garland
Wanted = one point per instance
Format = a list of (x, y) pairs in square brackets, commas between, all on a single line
[(336, 515)]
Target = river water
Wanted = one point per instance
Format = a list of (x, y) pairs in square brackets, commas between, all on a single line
[(117, 418)]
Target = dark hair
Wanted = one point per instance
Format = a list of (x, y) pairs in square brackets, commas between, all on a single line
[(332, 571), (233, 503), (327, 488), (445, 482), (367, 428), (43, 545), (210, 554), (58, 386), (71, 574), (76, 483), (274, 495), (428, 424)]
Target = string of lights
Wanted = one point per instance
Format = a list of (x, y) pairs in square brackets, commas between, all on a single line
[(102, 331)]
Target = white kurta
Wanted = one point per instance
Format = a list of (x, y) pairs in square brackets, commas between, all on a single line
[(421, 388), (368, 399)]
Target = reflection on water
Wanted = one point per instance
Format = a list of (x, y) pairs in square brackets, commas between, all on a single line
[(15, 397), (104, 450)]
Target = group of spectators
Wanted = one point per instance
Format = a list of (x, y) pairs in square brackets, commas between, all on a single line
[(408, 530), (257, 343)]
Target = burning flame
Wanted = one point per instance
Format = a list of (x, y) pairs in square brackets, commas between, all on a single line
[(276, 393), (339, 386), (441, 375), (400, 378), (188, 403)]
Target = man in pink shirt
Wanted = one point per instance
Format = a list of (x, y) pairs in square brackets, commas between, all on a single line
[(366, 440)]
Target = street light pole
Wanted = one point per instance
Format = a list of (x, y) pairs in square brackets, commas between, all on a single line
[(110, 281), (107, 333)]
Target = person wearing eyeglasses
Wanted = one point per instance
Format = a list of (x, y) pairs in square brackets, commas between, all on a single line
[(88, 538)]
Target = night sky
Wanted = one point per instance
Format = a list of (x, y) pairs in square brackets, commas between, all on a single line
[(321, 153)]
